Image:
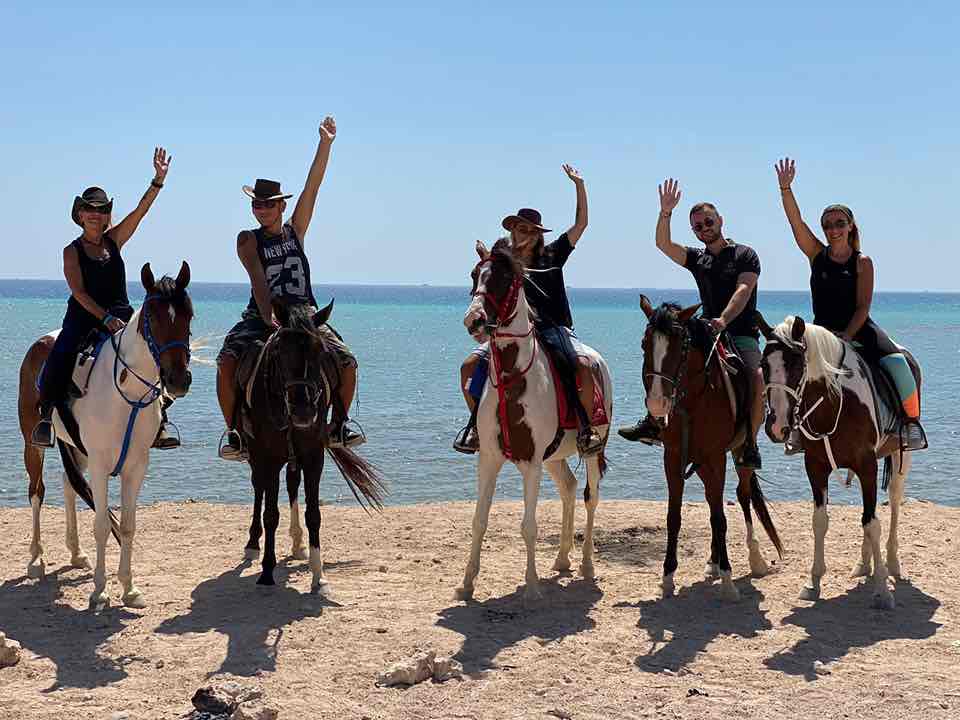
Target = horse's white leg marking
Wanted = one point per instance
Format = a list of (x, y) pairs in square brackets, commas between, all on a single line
[(78, 558), (566, 483), (298, 551), (882, 597), (532, 474), (591, 502), (896, 500), (821, 522), (758, 565), (864, 566), (488, 467), (99, 598), (130, 481), (36, 567), (319, 583)]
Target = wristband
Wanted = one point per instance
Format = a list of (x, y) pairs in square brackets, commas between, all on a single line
[(154, 183), (107, 318)]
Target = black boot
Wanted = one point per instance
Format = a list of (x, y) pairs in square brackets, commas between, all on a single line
[(912, 435), (42, 435), (646, 431), (341, 435), (164, 440), (750, 456), (589, 441), (467, 441)]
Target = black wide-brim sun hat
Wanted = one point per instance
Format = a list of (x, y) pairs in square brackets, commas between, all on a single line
[(265, 190), (92, 197), (527, 215)]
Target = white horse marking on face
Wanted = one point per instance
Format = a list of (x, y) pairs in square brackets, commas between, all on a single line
[(657, 398), (173, 312), (779, 402)]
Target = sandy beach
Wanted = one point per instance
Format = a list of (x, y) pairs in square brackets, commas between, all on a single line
[(609, 649)]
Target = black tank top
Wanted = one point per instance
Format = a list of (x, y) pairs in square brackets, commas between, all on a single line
[(285, 267), (833, 290), (103, 280)]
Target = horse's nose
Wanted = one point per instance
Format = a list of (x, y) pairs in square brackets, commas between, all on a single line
[(658, 406)]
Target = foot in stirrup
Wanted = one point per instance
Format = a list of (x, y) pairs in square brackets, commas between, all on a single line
[(341, 435), (912, 435), (231, 446), (750, 457), (467, 441), (794, 444), (164, 440), (646, 431), (589, 442), (42, 435)]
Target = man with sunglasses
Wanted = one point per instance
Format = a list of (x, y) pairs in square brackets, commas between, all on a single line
[(274, 258), (726, 274)]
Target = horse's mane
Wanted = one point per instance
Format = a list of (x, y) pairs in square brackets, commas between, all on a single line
[(166, 289), (502, 252), (664, 319), (824, 351), (300, 317)]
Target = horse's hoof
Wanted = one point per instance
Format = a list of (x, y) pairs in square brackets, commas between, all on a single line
[(251, 553), (587, 571), (893, 569), (861, 570), (80, 562), (532, 595), (729, 592), (667, 586), (759, 567), (320, 588), (462, 594), (809, 593), (299, 553), (266, 580), (711, 571), (36, 571), (99, 601), (134, 599), (561, 565), (884, 601)]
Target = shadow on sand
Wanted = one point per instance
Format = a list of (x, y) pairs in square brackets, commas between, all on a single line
[(493, 625), (837, 624), (35, 614), (248, 624)]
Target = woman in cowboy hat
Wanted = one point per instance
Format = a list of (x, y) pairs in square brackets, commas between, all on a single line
[(841, 288), (274, 258), (546, 294), (96, 276)]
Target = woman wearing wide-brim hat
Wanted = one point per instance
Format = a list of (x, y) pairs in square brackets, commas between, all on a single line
[(97, 278)]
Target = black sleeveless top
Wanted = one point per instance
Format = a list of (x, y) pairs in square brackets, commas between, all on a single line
[(285, 267), (103, 280), (833, 290)]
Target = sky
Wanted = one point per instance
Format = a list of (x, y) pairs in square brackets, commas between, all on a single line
[(452, 115)]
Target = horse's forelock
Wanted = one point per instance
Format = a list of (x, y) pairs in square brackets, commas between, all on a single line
[(300, 317), (166, 289), (823, 351), (665, 319)]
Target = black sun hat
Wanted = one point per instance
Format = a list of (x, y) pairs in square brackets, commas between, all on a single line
[(527, 215), (93, 197), (265, 190)]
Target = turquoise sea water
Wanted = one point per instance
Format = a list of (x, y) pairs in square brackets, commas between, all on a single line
[(410, 342)]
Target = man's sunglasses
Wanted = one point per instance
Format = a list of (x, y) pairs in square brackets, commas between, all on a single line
[(838, 224), (101, 209), (707, 223), (264, 204)]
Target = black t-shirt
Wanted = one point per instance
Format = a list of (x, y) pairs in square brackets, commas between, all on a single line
[(716, 277), (833, 290), (551, 305)]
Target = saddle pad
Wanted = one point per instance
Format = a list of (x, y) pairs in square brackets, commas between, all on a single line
[(567, 415), (886, 402)]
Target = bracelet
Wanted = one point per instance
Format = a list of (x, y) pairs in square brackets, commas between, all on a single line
[(785, 189), (154, 183), (665, 214)]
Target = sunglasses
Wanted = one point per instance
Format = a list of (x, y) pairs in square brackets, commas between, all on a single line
[(101, 209), (707, 223), (264, 204), (838, 224), (526, 230)]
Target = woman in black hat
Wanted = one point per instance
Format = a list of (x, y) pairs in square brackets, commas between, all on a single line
[(97, 279)]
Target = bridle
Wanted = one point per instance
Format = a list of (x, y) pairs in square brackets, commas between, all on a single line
[(677, 393), (310, 386)]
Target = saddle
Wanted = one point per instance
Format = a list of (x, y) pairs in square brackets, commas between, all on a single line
[(83, 368), (886, 400), (733, 371), (566, 414)]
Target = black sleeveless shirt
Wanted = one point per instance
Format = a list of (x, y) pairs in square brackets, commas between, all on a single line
[(833, 290), (103, 280), (285, 267)]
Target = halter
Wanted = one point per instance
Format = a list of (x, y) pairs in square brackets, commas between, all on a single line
[(155, 350), (310, 386)]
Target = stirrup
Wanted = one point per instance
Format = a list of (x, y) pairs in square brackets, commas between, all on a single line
[(48, 441), (590, 447), (905, 429), (340, 439), (460, 443), (170, 441), (228, 452)]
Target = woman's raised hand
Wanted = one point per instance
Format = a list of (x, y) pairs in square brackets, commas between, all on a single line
[(786, 171), (161, 164)]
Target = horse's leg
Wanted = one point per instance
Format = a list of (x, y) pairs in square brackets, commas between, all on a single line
[(99, 599), (713, 476), (318, 584), (252, 549), (297, 551), (873, 531), (818, 474), (488, 467), (33, 460), (675, 482), (758, 566), (78, 558), (896, 500), (591, 498), (532, 475), (269, 480), (131, 479), (566, 483)]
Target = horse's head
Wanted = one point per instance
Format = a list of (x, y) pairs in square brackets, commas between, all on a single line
[(497, 289), (165, 326), (296, 363), (665, 346), (784, 368)]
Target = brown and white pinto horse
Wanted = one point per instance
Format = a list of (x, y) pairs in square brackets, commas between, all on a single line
[(691, 400), (817, 385), (116, 422), (517, 419)]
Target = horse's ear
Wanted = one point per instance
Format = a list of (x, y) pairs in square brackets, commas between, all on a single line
[(646, 306), (183, 277), (321, 316), (146, 277), (481, 250), (799, 329), (688, 313), (765, 329)]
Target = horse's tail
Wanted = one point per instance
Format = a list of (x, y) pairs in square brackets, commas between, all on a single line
[(362, 477), (80, 485), (759, 503)]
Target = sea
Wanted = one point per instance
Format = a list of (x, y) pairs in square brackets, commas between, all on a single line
[(410, 342)]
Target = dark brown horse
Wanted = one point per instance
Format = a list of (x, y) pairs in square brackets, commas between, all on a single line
[(689, 396), (291, 394)]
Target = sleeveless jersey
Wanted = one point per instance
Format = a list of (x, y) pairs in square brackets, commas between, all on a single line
[(833, 290), (104, 281), (285, 267)]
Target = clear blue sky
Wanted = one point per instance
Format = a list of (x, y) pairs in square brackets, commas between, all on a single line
[(452, 115)]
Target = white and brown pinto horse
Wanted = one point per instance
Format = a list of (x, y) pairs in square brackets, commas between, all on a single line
[(116, 422), (818, 385), (517, 419)]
